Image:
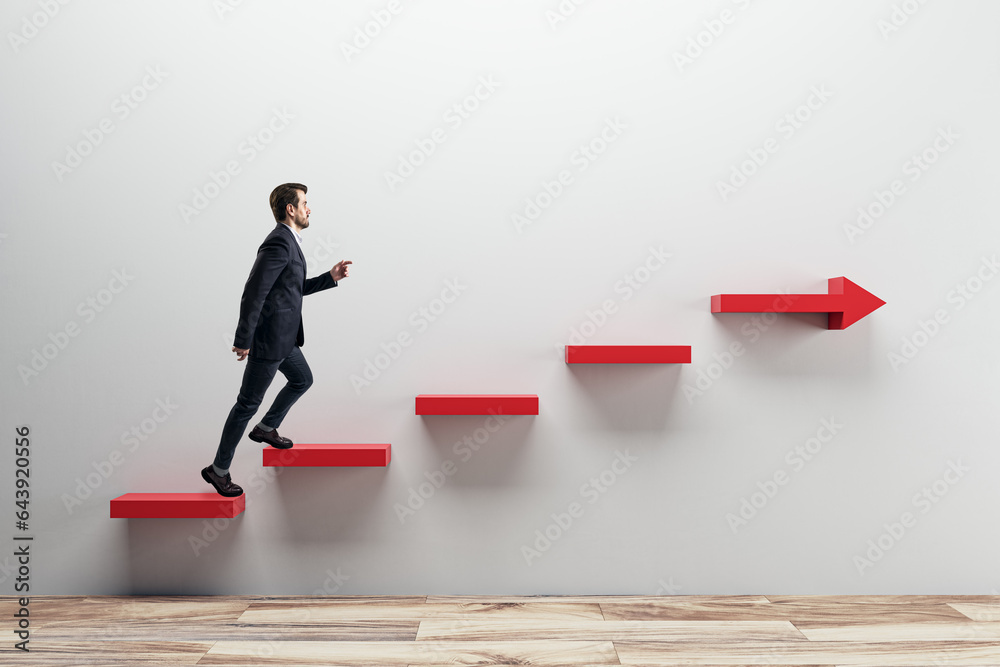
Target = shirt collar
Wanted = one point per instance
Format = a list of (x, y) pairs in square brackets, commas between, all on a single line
[(298, 237)]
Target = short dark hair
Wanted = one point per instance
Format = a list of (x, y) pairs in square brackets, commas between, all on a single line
[(282, 196)]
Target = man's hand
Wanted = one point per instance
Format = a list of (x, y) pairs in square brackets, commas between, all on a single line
[(339, 270), (240, 354)]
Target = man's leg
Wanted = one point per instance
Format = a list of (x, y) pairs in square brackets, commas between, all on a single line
[(296, 371), (257, 378)]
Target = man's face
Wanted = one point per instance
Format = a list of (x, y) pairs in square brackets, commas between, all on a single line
[(300, 216)]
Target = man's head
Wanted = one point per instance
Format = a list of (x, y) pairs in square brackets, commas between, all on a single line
[(288, 203)]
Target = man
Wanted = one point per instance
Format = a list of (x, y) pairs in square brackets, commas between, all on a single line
[(270, 332)]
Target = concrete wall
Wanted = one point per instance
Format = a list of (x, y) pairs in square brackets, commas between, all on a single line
[(673, 151)]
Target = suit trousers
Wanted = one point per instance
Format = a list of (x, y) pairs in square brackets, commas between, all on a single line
[(256, 379)]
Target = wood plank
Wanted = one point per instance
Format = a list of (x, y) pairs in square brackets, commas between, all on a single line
[(978, 611), (602, 599), (887, 599), (502, 630), (365, 599), (175, 631), (821, 610), (52, 610), (362, 654), (654, 609), (901, 654), (843, 612), (105, 652), (894, 632), (283, 612)]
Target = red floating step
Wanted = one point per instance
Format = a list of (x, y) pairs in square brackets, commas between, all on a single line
[(628, 354), (328, 455), (477, 404), (176, 506)]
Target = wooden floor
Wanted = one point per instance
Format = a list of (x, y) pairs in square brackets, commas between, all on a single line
[(578, 631)]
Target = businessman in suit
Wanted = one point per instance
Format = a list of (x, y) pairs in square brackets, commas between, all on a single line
[(270, 332)]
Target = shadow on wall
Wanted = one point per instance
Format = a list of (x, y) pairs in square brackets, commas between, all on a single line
[(480, 450), (198, 556), (630, 397), (183, 556), (793, 344), (329, 505)]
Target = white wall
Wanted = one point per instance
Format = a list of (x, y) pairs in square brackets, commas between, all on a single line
[(664, 525)]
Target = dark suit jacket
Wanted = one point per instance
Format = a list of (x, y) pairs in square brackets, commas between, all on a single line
[(271, 309)]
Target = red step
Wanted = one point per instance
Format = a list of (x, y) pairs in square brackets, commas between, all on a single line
[(176, 506), (328, 455), (477, 404), (628, 354)]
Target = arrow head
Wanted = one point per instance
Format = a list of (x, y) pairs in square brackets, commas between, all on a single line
[(858, 302)]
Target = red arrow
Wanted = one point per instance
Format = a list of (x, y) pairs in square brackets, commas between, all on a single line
[(846, 303)]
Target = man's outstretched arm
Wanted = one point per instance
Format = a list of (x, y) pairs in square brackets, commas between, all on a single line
[(328, 279)]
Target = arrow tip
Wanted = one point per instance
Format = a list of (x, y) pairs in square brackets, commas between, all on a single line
[(858, 302)]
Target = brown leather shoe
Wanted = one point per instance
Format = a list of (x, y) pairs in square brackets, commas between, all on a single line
[(224, 485), (270, 437)]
